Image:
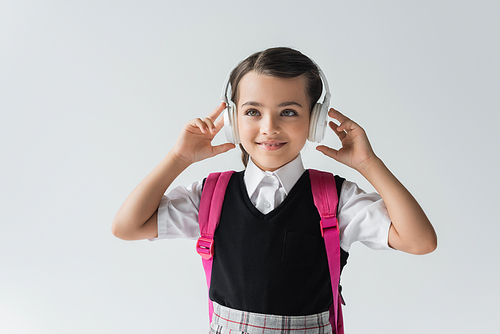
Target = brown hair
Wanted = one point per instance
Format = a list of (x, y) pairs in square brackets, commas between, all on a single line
[(278, 62)]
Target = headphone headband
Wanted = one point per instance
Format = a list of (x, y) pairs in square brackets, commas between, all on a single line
[(227, 86)]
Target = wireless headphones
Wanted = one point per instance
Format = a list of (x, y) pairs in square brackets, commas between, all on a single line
[(317, 121)]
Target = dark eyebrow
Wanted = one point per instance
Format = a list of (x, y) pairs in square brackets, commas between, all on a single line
[(284, 104), (252, 103), (289, 103)]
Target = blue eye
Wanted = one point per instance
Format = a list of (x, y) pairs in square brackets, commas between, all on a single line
[(289, 112), (252, 112)]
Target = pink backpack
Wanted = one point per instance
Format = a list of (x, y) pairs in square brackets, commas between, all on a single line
[(325, 199)]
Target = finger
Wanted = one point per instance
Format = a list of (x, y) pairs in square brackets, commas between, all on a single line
[(346, 124), (217, 111), (200, 124), (328, 151), (340, 134), (222, 148), (349, 126), (210, 125), (333, 113), (219, 123)]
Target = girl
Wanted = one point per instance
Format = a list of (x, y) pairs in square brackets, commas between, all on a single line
[(255, 275)]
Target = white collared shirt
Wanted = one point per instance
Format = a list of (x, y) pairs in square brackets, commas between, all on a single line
[(267, 190), (362, 217)]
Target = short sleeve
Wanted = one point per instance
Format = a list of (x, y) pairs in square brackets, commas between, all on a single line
[(362, 217), (178, 213)]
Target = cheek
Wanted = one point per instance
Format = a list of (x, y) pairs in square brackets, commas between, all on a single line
[(242, 128), (246, 133), (302, 129)]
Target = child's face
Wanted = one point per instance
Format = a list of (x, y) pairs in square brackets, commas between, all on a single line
[(273, 118)]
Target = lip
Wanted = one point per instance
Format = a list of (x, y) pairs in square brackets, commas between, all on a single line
[(271, 145)]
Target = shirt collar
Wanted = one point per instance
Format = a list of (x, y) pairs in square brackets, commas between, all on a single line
[(288, 175)]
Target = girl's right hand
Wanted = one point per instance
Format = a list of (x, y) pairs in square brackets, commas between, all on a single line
[(195, 140), (137, 218)]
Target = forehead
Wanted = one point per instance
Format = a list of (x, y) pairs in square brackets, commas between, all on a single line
[(267, 89)]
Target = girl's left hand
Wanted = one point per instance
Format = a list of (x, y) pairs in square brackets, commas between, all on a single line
[(356, 151), (410, 230)]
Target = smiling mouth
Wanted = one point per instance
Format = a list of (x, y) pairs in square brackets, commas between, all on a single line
[(271, 145)]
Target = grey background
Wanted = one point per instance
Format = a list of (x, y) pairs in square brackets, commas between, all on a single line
[(94, 93)]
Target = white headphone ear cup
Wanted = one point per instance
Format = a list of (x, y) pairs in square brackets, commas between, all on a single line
[(228, 127), (322, 123), (313, 122), (318, 122), (234, 122), (231, 124)]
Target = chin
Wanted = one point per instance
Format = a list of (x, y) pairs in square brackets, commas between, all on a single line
[(268, 165)]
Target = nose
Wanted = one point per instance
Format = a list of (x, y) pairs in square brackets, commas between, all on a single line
[(270, 125)]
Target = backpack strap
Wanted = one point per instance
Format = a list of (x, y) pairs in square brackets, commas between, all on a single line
[(211, 201), (326, 200)]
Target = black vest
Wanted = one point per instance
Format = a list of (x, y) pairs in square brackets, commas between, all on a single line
[(274, 263)]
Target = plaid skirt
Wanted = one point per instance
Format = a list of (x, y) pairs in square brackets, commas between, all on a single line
[(230, 321)]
